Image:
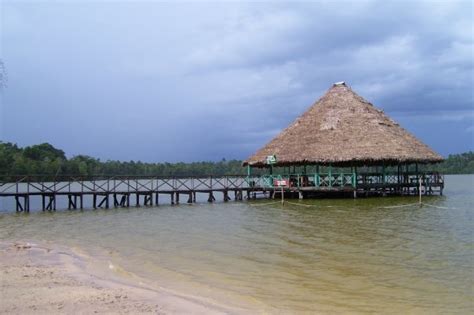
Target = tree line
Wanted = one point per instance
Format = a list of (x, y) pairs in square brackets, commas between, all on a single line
[(45, 159)]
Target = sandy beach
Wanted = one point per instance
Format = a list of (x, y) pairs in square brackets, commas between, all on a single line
[(44, 279)]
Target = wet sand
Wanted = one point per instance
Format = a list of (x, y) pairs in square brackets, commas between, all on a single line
[(44, 279)]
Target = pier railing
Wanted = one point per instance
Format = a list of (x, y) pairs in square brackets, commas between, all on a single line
[(348, 180), (128, 184), (123, 184)]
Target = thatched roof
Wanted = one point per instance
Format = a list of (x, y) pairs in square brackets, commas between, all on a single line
[(341, 129)]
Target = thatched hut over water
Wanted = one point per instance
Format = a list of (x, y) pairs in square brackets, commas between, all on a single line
[(342, 129)]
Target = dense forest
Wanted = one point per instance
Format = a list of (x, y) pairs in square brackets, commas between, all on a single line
[(47, 160)]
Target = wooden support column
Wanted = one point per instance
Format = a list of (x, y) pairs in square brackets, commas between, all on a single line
[(177, 198), (25, 206), (17, 203), (147, 199), (190, 197), (300, 194), (72, 201), (330, 176), (105, 202), (226, 196), (211, 197)]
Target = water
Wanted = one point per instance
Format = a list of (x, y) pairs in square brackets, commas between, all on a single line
[(330, 256)]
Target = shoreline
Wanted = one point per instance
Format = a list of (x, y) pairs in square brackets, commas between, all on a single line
[(53, 279)]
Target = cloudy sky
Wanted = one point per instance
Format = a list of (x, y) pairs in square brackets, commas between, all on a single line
[(188, 81)]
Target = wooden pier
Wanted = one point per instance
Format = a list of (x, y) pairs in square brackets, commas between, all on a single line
[(126, 191)]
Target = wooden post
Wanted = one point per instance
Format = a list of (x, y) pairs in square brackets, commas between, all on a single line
[(330, 176), (419, 190), (383, 175), (211, 197), (282, 196), (317, 177)]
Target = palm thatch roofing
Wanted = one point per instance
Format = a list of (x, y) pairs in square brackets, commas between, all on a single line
[(343, 129)]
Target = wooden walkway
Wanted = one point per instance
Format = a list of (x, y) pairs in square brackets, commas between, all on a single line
[(126, 191)]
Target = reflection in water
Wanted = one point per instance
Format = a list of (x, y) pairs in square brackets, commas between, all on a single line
[(330, 256)]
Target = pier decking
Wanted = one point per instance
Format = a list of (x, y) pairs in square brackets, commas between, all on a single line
[(126, 191)]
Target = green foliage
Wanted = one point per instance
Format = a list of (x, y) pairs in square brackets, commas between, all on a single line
[(457, 164), (45, 159), (43, 152)]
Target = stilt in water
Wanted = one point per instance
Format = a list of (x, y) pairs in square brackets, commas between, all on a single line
[(226, 196), (105, 202), (72, 201), (148, 199), (22, 207), (51, 205), (211, 197)]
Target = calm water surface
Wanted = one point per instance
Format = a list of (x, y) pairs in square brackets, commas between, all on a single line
[(329, 256)]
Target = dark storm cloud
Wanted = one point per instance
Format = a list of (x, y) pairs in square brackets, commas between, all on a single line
[(192, 81)]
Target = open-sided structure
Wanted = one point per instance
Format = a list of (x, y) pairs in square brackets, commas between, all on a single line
[(344, 143)]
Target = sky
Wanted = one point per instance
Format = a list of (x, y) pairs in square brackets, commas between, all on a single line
[(191, 81)]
